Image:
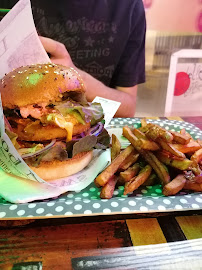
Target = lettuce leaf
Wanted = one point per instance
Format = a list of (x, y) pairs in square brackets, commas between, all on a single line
[(35, 148), (89, 142), (92, 112)]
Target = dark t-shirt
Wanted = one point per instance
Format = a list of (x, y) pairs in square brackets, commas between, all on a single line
[(105, 38)]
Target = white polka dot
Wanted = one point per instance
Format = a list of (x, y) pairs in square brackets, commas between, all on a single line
[(155, 197), (121, 187), (78, 207), (50, 203), (183, 200), (125, 209), (96, 205), (68, 202), (132, 203), (166, 201), (187, 196), (92, 189), (31, 205), (59, 208), (121, 199), (195, 206), (21, 212), (144, 191), (13, 207), (86, 201), (29, 216), (68, 213), (149, 202), (49, 215), (77, 199), (2, 214), (40, 210), (149, 187), (88, 212), (161, 207), (104, 200), (77, 191), (114, 204), (106, 210), (116, 192), (139, 195), (85, 194), (199, 200), (70, 195), (178, 206), (143, 208)]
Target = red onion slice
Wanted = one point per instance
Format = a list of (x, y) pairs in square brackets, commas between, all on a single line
[(30, 155), (95, 130)]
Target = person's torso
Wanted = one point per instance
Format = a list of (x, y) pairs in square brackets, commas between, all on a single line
[(94, 32)]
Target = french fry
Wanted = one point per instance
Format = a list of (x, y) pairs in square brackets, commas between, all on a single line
[(192, 146), (148, 156), (156, 132), (174, 186), (104, 177), (170, 148), (138, 180), (108, 190), (197, 156), (116, 147), (198, 179), (180, 138), (199, 142), (196, 169), (151, 181), (143, 122), (183, 164), (158, 167), (130, 172), (190, 185), (183, 132), (131, 159), (139, 134), (147, 145)]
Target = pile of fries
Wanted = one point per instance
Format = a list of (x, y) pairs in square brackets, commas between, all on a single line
[(155, 156)]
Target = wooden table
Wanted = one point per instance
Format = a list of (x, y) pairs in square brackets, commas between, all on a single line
[(63, 242)]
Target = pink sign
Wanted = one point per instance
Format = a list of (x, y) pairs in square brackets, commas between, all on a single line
[(199, 22)]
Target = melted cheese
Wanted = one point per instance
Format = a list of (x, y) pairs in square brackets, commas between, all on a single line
[(61, 122)]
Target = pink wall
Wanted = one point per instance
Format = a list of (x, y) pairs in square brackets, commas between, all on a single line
[(174, 15)]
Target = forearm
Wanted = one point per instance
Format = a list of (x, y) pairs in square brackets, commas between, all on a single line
[(96, 88)]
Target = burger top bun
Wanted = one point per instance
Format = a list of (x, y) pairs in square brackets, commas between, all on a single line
[(40, 83)]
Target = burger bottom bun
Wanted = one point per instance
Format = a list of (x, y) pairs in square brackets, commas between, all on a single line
[(59, 169), (49, 132)]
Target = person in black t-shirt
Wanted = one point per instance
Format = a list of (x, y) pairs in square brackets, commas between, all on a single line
[(103, 39)]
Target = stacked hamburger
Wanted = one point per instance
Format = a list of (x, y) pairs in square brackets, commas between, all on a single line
[(49, 120)]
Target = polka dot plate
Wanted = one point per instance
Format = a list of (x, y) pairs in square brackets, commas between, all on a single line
[(87, 202)]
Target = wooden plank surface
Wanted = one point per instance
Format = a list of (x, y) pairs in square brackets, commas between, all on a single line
[(184, 255), (191, 226), (56, 245), (145, 231)]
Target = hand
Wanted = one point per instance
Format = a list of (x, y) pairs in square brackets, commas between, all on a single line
[(57, 51)]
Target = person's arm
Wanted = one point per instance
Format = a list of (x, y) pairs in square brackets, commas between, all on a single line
[(125, 95)]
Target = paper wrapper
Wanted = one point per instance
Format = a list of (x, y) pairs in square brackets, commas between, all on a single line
[(19, 46)]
